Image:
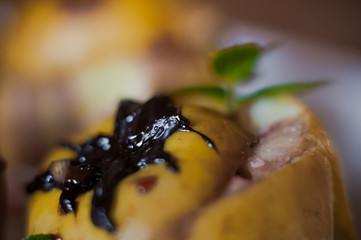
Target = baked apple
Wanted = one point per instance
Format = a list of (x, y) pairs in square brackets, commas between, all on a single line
[(176, 168), (187, 172)]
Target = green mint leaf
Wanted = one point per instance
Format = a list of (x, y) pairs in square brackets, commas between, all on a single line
[(215, 92), (282, 89), (39, 237), (237, 63)]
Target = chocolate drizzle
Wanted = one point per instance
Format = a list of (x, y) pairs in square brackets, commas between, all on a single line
[(103, 161)]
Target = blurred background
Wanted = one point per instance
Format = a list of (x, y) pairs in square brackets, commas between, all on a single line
[(64, 65)]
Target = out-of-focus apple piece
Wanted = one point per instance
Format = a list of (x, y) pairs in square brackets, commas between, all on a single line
[(66, 64)]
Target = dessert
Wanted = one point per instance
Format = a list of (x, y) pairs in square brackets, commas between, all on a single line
[(202, 175), (171, 168)]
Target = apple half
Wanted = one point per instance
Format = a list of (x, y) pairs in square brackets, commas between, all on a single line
[(273, 175)]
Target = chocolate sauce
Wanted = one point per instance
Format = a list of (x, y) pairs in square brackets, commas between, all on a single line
[(103, 161)]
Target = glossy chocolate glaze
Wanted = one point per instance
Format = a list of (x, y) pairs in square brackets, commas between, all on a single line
[(103, 161)]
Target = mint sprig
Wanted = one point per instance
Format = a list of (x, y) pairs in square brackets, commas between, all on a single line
[(281, 89), (235, 66), (237, 63)]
